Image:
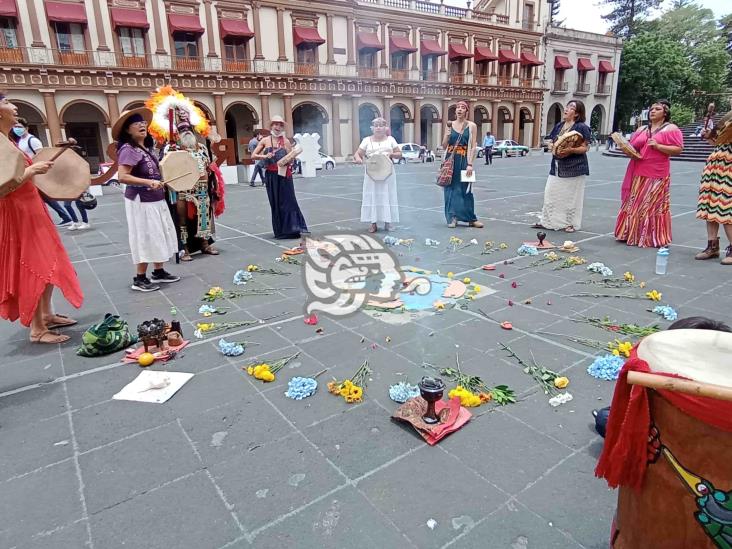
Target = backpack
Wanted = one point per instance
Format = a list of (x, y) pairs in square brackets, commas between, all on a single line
[(108, 336)]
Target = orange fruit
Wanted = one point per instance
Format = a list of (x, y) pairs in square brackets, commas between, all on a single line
[(145, 359)]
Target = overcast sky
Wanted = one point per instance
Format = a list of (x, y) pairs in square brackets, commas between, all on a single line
[(585, 15)]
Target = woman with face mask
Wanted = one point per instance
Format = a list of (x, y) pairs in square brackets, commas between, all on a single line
[(379, 203), (33, 260), (287, 219)]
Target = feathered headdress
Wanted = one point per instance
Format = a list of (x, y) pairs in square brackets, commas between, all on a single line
[(166, 100)]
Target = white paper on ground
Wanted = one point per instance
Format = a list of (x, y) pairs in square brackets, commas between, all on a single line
[(136, 389)]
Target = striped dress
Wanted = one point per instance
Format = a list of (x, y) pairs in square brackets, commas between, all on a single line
[(715, 191)]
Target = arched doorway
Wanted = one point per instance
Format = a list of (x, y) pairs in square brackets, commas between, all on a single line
[(241, 119), (553, 116), (366, 114), (525, 119), (87, 123), (311, 118), (206, 111), (504, 117), (134, 105), (400, 115), (481, 117), (34, 117), (428, 117), (597, 119)]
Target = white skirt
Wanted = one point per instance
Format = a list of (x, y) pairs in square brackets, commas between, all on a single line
[(379, 202), (151, 231), (563, 200)]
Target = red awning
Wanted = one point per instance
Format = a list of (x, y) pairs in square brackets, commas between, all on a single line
[(584, 64), (8, 8), (401, 43), (562, 62), (307, 36), (235, 27), (606, 66), (431, 47), (65, 13), (184, 23), (458, 51), (529, 59), (507, 56), (129, 18), (484, 54), (368, 41)]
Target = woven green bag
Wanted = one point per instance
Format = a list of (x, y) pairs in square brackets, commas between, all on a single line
[(109, 336)]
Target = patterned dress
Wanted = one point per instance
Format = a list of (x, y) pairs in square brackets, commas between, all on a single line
[(715, 192), (459, 200)]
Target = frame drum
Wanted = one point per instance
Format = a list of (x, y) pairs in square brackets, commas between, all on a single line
[(13, 163), (625, 146), (69, 177), (179, 170)]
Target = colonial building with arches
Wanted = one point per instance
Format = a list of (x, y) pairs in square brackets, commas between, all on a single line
[(581, 65), (326, 66)]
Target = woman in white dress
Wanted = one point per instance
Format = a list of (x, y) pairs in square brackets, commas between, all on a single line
[(379, 203)]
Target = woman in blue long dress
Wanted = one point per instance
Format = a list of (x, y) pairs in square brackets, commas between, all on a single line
[(459, 141)]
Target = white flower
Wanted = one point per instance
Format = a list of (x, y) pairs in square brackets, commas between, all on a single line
[(560, 399), (198, 334), (474, 241)]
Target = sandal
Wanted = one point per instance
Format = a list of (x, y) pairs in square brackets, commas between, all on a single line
[(373, 228), (210, 250), (186, 257), (476, 224), (49, 337), (452, 223), (569, 229), (59, 321)]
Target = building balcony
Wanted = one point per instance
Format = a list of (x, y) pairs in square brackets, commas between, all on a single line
[(11, 55), (458, 79), (419, 7), (306, 69), (429, 76), (368, 72), (603, 90), (583, 89), (505, 80), (399, 74), (236, 65), (560, 87)]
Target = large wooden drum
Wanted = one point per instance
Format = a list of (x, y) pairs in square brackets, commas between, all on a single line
[(685, 501), (13, 166), (69, 177)]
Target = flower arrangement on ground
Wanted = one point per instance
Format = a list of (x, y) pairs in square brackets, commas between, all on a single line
[(265, 371), (549, 381), (469, 387), (351, 389)]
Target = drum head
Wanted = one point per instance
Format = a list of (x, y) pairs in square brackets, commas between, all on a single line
[(13, 163), (567, 141), (379, 167), (625, 145), (69, 177), (701, 355), (180, 169)]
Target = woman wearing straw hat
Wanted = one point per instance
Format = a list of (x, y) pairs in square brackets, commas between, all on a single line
[(287, 219), (379, 201), (33, 260), (150, 228)]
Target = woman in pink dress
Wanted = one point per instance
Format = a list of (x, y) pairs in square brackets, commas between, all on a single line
[(645, 217), (33, 260)]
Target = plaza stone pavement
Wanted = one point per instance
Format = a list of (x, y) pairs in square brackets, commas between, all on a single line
[(231, 462)]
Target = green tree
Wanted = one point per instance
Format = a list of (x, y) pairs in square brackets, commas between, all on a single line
[(627, 15), (690, 24), (653, 66)]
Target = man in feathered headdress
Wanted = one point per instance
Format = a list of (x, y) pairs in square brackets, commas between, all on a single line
[(193, 210)]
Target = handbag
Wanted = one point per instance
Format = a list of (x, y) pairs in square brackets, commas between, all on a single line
[(444, 176), (108, 336), (379, 167)]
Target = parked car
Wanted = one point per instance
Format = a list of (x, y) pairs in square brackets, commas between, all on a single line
[(104, 168), (510, 148), (324, 161)]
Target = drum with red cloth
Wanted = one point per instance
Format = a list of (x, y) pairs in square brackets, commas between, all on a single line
[(669, 448)]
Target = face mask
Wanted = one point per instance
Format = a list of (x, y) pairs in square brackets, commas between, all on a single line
[(277, 132), (20, 132)]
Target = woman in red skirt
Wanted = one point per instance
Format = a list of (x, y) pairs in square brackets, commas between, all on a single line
[(32, 258), (645, 217)]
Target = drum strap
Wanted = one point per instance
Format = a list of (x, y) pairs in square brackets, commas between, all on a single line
[(625, 456)]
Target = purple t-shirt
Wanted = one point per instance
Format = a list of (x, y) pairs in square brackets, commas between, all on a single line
[(144, 165)]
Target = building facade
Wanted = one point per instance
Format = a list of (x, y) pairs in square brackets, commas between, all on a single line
[(328, 66), (581, 65)]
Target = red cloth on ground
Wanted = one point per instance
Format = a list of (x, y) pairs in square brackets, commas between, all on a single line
[(31, 256), (624, 455)]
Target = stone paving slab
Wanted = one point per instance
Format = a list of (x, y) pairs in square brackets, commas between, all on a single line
[(229, 462)]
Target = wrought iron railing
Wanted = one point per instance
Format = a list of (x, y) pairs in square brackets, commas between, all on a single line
[(603, 90), (583, 88), (560, 87)]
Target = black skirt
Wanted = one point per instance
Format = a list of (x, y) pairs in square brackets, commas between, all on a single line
[(287, 219)]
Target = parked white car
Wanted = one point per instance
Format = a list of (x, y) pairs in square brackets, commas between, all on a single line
[(410, 153), (323, 161)]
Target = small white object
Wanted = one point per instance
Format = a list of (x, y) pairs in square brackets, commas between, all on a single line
[(560, 399), (431, 524), (662, 261), (464, 176), (154, 387)]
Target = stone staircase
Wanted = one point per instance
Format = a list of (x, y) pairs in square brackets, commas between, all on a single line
[(696, 149)]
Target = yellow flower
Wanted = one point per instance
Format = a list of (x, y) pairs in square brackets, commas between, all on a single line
[(503, 246), (616, 352), (561, 382), (207, 314), (625, 348), (467, 399), (476, 288), (450, 274), (250, 370), (334, 387), (215, 291), (267, 376), (629, 277), (204, 327), (439, 305), (252, 268), (466, 280), (654, 295)]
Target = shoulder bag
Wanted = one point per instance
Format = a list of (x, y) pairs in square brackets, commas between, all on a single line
[(444, 176)]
